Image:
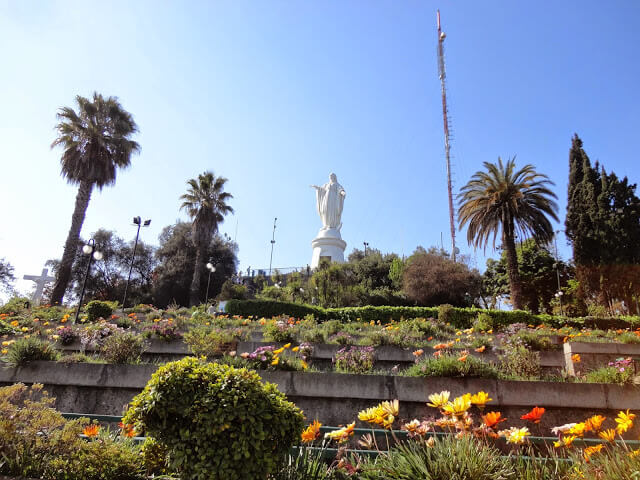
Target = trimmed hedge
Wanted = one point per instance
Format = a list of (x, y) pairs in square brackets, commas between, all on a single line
[(272, 308), (459, 317)]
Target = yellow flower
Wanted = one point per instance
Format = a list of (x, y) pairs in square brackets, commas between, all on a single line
[(591, 450), (4, 351), (370, 414), (342, 434), (609, 435), (14, 323), (634, 453), (515, 435), (304, 365), (565, 441), (578, 429), (6, 343), (480, 399), (25, 329), (438, 400), (295, 349), (458, 406), (391, 408), (288, 345), (624, 421), (278, 351), (275, 361)]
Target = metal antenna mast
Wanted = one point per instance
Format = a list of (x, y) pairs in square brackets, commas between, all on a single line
[(447, 145)]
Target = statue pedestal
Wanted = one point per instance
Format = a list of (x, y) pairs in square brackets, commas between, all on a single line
[(328, 245)]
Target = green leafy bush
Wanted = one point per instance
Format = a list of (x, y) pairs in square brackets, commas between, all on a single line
[(96, 309), (610, 374), (30, 349), (450, 365), (125, 347), (37, 442), (280, 331), (534, 341), (218, 422), (483, 322), (449, 458), (208, 342), (518, 362)]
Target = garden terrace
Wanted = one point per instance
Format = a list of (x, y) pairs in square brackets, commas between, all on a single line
[(330, 397)]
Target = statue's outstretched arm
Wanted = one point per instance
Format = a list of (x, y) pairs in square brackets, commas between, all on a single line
[(315, 186)]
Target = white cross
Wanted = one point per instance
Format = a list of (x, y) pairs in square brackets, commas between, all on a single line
[(40, 282)]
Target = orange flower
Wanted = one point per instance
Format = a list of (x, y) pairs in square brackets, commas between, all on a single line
[(127, 429), (534, 415), (463, 358), (311, 432), (91, 430), (492, 419), (594, 423), (575, 358), (417, 353), (481, 349)]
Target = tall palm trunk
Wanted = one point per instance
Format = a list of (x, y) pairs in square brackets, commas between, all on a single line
[(515, 287), (194, 291), (71, 245)]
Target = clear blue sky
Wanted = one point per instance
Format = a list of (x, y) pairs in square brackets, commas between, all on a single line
[(274, 95)]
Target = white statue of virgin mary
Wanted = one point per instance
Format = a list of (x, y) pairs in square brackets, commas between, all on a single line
[(329, 201)]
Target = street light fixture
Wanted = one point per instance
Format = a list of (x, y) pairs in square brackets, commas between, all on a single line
[(88, 249), (211, 269), (136, 221)]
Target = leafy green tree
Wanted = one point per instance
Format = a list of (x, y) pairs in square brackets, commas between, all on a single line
[(507, 201), (396, 271), (537, 269), (107, 278), (603, 227), (175, 256), (6, 275), (206, 204), (97, 142), (432, 278)]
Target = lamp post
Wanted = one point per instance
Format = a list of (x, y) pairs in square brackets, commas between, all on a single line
[(366, 244), (88, 249), (273, 241), (136, 221), (211, 269)]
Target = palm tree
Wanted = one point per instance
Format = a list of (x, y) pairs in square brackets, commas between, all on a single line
[(502, 198), (206, 204), (96, 141)]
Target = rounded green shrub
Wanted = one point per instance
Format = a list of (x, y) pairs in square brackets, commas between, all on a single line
[(96, 309), (121, 348), (218, 422)]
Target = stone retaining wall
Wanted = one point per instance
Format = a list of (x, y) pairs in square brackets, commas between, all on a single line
[(335, 398)]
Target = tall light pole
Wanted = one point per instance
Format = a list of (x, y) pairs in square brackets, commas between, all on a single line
[(559, 293), (273, 242), (211, 269), (136, 221), (88, 249), (366, 244)]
